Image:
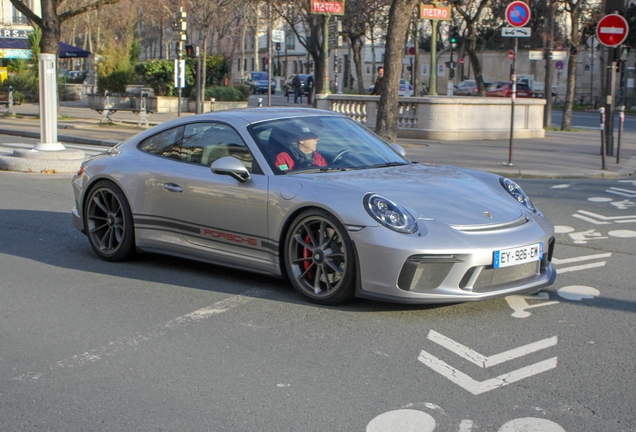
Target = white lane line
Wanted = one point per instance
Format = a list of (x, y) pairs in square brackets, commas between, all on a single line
[(137, 339), (488, 361), (557, 261), (581, 267)]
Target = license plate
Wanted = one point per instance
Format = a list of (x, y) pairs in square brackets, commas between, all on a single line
[(518, 255)]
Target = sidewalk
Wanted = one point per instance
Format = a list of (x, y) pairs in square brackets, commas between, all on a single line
[(558, 155)]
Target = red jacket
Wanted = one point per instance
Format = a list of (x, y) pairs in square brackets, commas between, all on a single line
[(284, 161)]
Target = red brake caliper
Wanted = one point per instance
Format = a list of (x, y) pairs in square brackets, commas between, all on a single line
[(307, 254)]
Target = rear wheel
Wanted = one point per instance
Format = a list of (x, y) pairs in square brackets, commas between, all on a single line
[(319, 258), (109, 223)]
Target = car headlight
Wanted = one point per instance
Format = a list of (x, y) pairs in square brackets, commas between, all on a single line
[(517, 193), (389, 213)]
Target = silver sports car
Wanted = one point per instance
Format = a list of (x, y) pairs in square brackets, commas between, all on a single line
[(315, 197)]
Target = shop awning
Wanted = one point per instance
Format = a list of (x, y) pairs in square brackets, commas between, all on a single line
[(19, 48)]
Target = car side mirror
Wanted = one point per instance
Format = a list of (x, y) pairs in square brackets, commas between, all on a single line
[(398, 149), (231, 166)]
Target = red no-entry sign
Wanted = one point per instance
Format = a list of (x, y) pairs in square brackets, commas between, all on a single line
[(612, 30)]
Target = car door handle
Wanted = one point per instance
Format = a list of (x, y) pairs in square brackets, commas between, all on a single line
[(173, 187)]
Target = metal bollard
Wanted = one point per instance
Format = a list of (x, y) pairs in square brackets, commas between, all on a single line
[(621, 116), (260, 102), (212, 100), (602, 127)]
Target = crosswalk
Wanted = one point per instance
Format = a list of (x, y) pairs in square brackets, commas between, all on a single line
[(6, 149)]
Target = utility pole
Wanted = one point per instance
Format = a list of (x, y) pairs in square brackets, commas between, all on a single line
[(182, 26), (547, 83)]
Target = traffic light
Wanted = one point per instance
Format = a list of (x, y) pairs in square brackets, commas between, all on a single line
[(453, 36), (192, 51)]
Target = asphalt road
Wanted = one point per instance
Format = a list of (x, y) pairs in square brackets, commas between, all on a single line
[(161, 343)]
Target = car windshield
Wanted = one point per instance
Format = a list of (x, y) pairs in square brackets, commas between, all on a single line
[(342, 144), (259, 76)]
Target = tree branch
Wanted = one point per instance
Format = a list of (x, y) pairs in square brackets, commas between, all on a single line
[(24, 10), (87, 8)]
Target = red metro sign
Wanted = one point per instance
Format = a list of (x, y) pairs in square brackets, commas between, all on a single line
[(327, 7), (612, 30)]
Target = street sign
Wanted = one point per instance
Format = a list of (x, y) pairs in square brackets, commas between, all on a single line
[(612, 30), (327, 7), (434, 12), (558, 65), (516, 32), (535, 54), (461, 61), (411, 50), (559, 55), (511, 55), (518, 14), (278, 36)]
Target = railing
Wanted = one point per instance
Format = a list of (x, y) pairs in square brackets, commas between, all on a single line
[(446, 118)]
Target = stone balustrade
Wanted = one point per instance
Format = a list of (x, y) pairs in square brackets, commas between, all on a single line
[(446, 118)]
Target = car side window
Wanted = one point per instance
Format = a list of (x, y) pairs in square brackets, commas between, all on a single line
[(204, 143), (165, 144)]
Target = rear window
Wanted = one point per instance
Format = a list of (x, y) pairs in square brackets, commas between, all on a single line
[(259, 76)]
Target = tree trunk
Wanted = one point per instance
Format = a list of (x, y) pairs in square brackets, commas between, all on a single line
[(50, 29), (399, 20), (356, 48)]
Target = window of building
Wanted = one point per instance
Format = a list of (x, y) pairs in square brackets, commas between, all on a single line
[(290, 41), (18, 17)]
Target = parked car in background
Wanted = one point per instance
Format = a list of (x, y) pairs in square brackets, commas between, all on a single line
[(406, 89), (537, 87), (288, 88), (468, 88), (504, 89), (257, 82)]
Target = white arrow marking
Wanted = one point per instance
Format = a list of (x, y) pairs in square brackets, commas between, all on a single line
[(478, 387), (484, 361)]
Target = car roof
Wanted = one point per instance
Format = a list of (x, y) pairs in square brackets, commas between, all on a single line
[(251, 115)]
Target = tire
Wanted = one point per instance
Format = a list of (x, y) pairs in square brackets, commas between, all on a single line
[(108, 222), (319, 258)]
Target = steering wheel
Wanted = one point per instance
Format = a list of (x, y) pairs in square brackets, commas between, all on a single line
[(340, 155)]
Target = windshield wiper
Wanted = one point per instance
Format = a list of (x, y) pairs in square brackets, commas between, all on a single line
[(387, 164)]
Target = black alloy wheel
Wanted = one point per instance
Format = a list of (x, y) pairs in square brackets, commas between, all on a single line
[(109, 223), (319, 258)]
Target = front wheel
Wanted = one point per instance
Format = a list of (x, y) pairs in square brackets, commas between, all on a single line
[(109, 223), (319, 258)]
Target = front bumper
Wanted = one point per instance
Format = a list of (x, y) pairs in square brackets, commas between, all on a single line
[(438, 264)]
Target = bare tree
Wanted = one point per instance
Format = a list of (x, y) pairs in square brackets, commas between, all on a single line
[(582, 16), (471, 12), (307, 27), (54, 14), (358, 22), (399, 19)]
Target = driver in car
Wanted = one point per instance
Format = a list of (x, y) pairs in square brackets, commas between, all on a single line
[(301, 154)]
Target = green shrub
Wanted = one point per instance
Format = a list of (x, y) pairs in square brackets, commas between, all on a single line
[(159, 75), (228, 94), (244, 89)]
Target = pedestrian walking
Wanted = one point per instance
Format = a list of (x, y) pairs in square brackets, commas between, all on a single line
[(297, 85)]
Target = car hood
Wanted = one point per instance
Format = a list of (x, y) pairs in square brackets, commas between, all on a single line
[(444, 193)]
